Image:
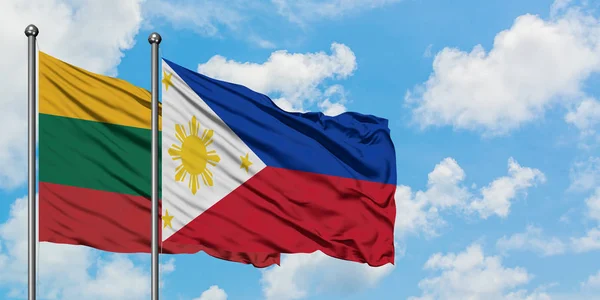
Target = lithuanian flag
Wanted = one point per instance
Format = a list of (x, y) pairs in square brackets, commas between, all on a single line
[(95, 164)]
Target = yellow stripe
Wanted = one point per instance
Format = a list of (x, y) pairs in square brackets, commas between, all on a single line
[(69, 91)]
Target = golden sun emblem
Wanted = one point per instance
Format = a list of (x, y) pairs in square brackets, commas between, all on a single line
[(194, 155)]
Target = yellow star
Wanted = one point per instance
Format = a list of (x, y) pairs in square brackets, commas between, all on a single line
[(245, 162), (167, 80), (167, 219)]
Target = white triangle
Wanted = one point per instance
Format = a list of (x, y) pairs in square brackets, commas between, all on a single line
[(179, 104)]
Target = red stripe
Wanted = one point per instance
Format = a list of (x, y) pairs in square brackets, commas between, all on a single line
[(114, 222), (285, 211)]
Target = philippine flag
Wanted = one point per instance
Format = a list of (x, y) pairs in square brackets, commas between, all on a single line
[(240, 174)]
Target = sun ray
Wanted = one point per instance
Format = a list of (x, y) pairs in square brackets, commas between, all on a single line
[(212, 157), (207, 177), (194, 126), (194, 155), (207, 137), (194, 184), (180, 132), (175, 152), (181, 172), (207, 180)]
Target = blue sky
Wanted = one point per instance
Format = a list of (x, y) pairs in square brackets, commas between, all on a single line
[(493, 109)]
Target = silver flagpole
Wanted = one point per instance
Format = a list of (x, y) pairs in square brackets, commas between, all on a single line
[(31, 32), (154, 40)]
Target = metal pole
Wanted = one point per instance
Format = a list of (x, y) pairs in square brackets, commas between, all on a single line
[(31, 32), (154, 40)]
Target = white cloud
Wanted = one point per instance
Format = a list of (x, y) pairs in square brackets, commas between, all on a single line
[(211, 18), (589, 290), (420, 212), (66, 271), (559, 6), (414, 215), (286, 105), (589, 242), (593, 205), (75, 32), (496, 196), (202, 16), (335, 100), (592, 283), (309, 10), (428, 50), (585, 175), (586, 116), (532, 66), (443, 185), (533, 240), (262, 43), (244, 18), (167, 267), (472, 275), (331, 109), (115, 279), (295, 80), (524, 295), (213, 293), (303, 274)]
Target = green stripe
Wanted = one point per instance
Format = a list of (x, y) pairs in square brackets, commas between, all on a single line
[(95, 155)]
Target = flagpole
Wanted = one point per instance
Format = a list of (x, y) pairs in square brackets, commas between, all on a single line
[(154, 39), (31, 32)]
